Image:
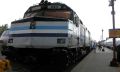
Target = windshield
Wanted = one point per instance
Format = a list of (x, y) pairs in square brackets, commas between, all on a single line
[(50, 13)]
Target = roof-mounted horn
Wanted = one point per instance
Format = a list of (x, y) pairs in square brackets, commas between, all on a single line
[(44, 2)]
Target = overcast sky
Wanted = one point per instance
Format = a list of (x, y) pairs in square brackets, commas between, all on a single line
[(95, 14)]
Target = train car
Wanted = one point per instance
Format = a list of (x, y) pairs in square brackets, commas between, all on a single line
[(4, 38), (48, 31), (109, 42)]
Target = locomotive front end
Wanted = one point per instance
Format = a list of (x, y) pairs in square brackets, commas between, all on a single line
[(39, 32)]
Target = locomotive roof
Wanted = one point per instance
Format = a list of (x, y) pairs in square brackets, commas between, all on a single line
[(46, 6), (49, 6)]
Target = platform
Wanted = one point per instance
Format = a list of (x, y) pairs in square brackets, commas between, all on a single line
[(97, 61)]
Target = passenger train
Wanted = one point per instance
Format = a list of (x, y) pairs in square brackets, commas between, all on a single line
[(48, 31), (109, 43)]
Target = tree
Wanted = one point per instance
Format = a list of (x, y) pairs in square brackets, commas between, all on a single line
[(3, 28)]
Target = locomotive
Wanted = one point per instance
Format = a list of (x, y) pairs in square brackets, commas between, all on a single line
[(48, 32)]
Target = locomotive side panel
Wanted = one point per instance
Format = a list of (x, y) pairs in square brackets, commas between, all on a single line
[(82, 36), (87, 41), (72, 35)]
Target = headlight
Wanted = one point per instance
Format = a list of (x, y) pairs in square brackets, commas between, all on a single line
[(60, 41), (10, 40)]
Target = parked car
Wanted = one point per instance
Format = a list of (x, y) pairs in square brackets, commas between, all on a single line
[(4, 38)]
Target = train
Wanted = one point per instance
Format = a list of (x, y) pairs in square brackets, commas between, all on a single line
[(109, 42), (48, 32)]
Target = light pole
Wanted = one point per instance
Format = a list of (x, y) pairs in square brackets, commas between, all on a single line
[(114, 60), (102, 34), (102, 39)]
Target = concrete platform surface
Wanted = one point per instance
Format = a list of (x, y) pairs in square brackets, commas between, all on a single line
[(97, 61)]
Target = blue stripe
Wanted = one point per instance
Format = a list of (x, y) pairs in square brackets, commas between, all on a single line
[(51, 27), (40, 35), (39, 27), (19, 28)]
